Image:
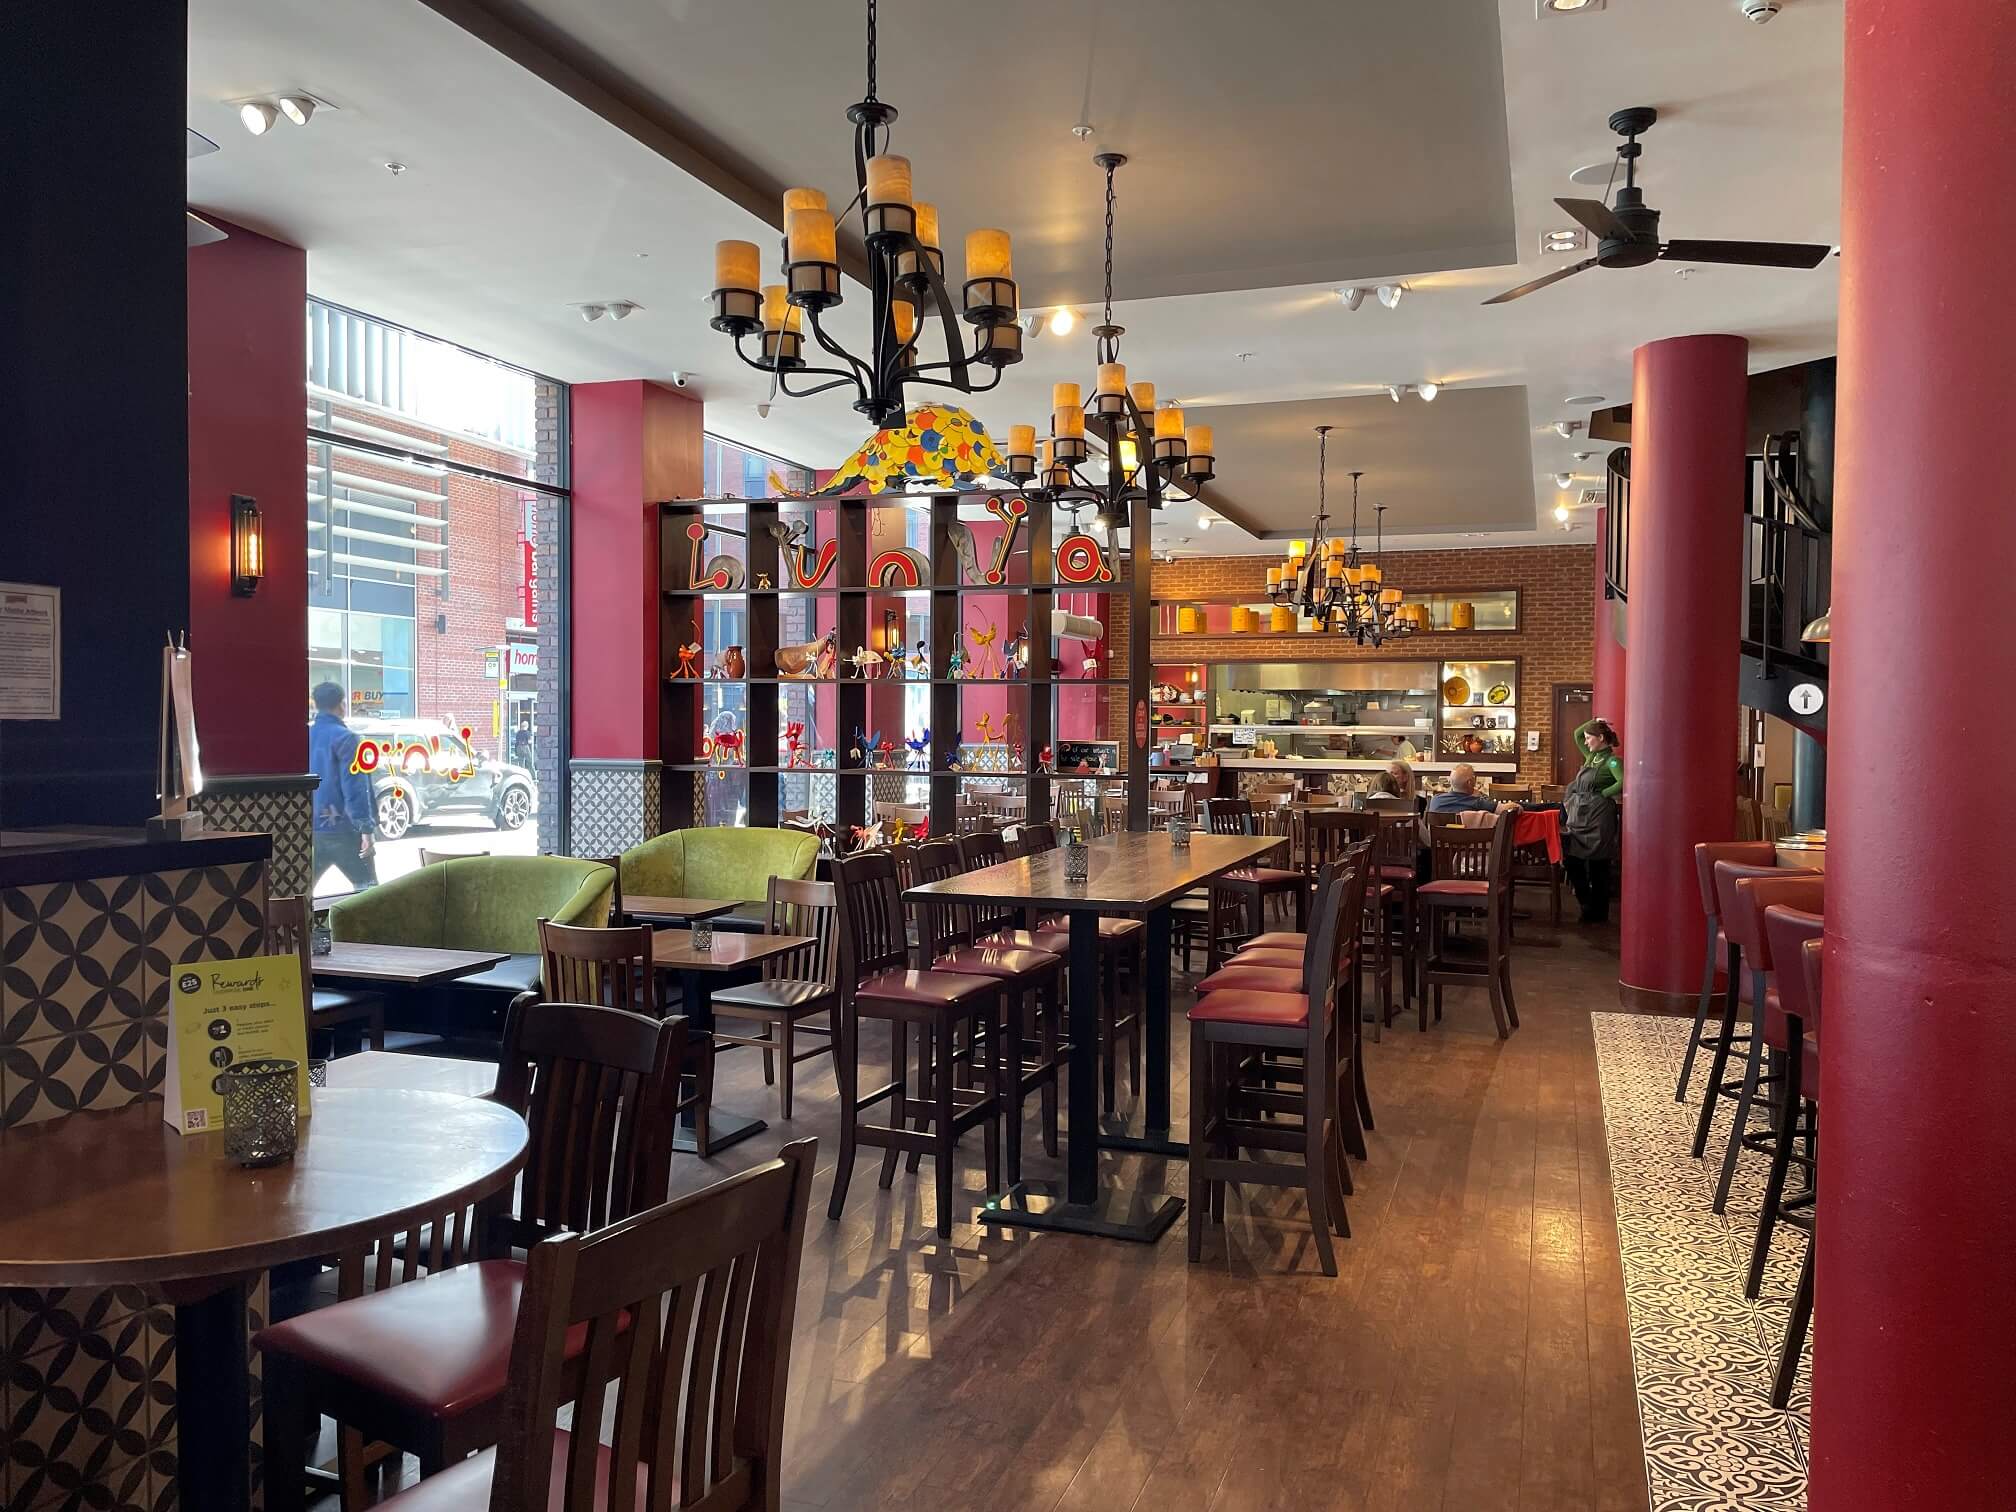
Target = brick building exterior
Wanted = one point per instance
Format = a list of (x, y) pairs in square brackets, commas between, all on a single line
[(1553, 643)]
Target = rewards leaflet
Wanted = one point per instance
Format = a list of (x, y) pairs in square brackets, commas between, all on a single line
[(221, 1013)]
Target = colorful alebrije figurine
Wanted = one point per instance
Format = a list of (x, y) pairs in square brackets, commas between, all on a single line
[(955, 665), (920, 751), (984, 654), (919, 662), (794, 744)]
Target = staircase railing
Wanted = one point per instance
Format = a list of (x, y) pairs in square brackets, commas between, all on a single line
[(1787, 562), (1617, 556)]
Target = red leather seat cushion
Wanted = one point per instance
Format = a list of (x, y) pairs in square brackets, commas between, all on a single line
[(923, 988), (1268, 958), (1265, 876), (438, 1346), (1279, 939), (1110, 927), (1239, 976), (1276, 1010), (1397, 873), (1002, 962), (465, 1485), (1056, 942), (1454, 887)]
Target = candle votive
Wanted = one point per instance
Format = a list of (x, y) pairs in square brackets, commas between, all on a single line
[(262, 1101), (703, 935)]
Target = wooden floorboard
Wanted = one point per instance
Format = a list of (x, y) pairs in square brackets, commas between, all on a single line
[(1472, 1354)]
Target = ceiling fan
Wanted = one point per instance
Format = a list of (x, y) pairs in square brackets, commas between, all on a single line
[(1627, 233)]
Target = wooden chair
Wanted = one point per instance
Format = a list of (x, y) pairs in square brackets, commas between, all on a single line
[(1533, 867), (796, 986), (1706, 853), (1472, 879), (1037, 838), (1233, 1027), (418, 1360), (1327, 834), (877, 981), (699, 1294), (1257, 885), (324, 1009), (1504, 792), (612, 968)]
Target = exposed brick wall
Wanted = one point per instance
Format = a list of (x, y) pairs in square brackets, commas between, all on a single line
[(1553, 642)]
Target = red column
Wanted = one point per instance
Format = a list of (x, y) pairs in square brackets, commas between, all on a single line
[(1688, 408), (1608, 680), (1913, 1395)]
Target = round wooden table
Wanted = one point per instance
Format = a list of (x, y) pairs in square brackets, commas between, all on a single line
[(119, 1198)]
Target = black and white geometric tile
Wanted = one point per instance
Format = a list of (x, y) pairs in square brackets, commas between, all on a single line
[(282, 807), (612, 805), (1703, 1356)]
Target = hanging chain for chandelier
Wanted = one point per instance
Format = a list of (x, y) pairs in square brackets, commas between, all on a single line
[(906, 284), (1148, 448)]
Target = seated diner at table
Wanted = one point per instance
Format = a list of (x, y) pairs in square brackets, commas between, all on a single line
[(1462, 796)]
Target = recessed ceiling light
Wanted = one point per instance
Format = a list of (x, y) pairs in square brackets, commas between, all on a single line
[(1351, 298), (1566, 429), (1580, 400), (1205, 522), (1064, 321), (1428, 391), (1563, 480), (1563, 239), (1584, 456), (591, 312), (1546, 8), (1391, 294), (395, 169), (1561, 513), (1597, 172), (256, 116), (1398, 391), (621, 309), (299, 108)]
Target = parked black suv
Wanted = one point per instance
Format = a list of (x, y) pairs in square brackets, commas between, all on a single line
[(420, 768)]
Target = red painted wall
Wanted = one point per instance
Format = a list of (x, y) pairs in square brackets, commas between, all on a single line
[(247, 367)]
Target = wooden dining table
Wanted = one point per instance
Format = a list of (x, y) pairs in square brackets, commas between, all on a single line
[(118, 1197), (732, 959), (389, 1069), (651, 907), (399, 965), (1136, 875)]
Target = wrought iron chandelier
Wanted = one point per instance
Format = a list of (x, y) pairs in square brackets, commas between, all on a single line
[(1147, 449), (1329, 581), (906, 285)]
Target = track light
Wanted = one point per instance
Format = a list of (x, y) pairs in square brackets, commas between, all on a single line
[(257, 116), (1566, 429), (1428, 391), (591, 313), (1063, 322), (620, 309), (1584, 456), (1390, 295), (1351, 298), (1397, 390), (1563, 479), (299, 108)]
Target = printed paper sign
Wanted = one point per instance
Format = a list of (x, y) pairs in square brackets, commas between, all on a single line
[(224, 1012)]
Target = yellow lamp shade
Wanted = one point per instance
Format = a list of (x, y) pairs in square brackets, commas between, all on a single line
[(889, 180), (1372, 573), (1130, 454), (1389, 596), (1064, 396), (1295, 548), (1168, 422), (779, 314), (1198, 438), (905, 319), (1068, 423), (927, 224), (1112, 378), (803, 199), (737, 265), (1352, 575), (1144, 397), (809, 237), (988, 255), (1334, 569), (1021, 440), (1043, 459), (1273, 577)]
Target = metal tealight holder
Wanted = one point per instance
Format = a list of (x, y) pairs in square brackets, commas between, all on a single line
[(261, 1110)]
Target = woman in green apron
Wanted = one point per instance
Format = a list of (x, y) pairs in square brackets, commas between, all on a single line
[(1589, 820)]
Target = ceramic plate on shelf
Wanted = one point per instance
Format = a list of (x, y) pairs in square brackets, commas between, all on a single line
[(1456, 691), (1499, 693)]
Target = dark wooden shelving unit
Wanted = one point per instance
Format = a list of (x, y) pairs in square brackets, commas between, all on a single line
[(685, 700)]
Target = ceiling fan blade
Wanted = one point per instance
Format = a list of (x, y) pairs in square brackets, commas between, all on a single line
[(1540, 283), (1598, 218), (1747, 254)]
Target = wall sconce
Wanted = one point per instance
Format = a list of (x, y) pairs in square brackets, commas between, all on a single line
[(248, 546)]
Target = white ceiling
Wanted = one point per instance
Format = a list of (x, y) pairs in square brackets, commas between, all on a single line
[(1278, 151)]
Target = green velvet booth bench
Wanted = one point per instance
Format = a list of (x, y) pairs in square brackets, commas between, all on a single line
[(724, 862), (490, 903)]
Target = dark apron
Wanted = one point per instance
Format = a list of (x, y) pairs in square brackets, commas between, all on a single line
[(1589, 817)]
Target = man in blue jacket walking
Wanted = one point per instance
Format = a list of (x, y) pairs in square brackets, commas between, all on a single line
[(344, 821)]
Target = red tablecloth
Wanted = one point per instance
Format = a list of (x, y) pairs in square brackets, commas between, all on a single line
[(1539, 828)]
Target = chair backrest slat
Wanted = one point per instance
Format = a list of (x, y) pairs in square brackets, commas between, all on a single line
[(1228, 816), (809, 909), (609, 967), (287, 930), (871, 917)]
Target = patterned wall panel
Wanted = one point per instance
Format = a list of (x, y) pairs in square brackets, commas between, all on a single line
[(613, 805), (282, 807), (87, 1387)]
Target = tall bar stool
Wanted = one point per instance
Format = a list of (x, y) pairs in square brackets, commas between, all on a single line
[(1397, 863), (1792, 1028), (1031, 980), (1257, 885), (877, 981), (1472, 879), (1743, 900), (1706, 854), (1801, 1318), (1726, 1037), (1230, 1029)]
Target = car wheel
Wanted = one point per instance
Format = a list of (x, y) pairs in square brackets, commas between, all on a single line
[(514, 808), (395, 814)]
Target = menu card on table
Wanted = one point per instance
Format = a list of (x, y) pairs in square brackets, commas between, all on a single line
[(224, 1012)]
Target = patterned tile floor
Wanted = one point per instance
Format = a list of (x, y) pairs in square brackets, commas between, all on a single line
[(1702, 1354)]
